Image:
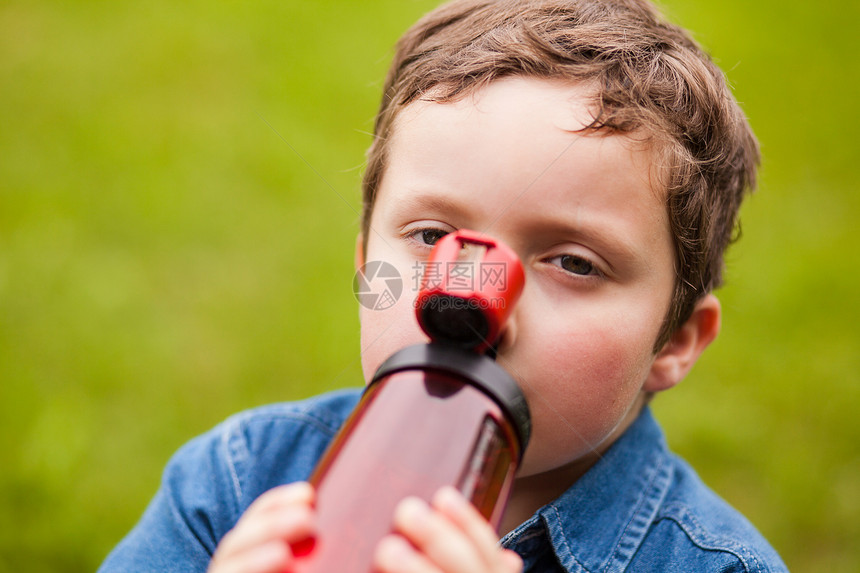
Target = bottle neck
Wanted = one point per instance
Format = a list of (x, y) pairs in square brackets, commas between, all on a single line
[(474, 369)]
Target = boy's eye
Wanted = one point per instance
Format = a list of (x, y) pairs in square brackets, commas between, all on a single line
[(430, 236), (575, 265)]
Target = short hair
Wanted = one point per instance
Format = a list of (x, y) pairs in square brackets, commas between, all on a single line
[(649, 76)]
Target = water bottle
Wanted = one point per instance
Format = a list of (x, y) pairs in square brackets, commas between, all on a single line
[(436, 414)]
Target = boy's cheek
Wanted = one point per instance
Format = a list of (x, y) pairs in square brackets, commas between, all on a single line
[(579, 389), (384, 332)]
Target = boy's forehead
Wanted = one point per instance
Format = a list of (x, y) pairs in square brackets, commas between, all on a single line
[(553, 106), (571, 105)]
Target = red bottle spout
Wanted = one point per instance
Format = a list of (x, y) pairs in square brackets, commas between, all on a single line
[(470, 286)]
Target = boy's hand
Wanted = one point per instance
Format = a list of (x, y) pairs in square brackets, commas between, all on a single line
[(262, 540), (449, 537)]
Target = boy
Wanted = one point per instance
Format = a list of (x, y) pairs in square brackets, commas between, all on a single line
[(603, 146)]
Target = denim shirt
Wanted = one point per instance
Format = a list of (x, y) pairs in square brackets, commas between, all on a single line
[(639, 508)]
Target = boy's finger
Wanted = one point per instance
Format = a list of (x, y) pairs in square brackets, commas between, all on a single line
[(290, 525), (464, 515), (298, 493), (395, 555), (272, 557), (444, 544)]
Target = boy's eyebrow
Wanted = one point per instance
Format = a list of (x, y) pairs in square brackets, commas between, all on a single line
[(428, 202)]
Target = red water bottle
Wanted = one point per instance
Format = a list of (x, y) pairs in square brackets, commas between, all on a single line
[(434, 414)]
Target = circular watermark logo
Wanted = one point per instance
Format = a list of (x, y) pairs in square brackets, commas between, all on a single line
[(377, 285)]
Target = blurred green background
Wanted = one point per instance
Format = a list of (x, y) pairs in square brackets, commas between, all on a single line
[(178, 205)]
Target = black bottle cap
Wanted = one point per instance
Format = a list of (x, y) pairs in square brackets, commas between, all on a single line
[(454, 320), (475, 369)]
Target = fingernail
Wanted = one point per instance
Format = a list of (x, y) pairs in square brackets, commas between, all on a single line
[(449, 497), (414, 509)]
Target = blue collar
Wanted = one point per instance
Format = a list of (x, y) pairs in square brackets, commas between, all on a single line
[(600, 521)]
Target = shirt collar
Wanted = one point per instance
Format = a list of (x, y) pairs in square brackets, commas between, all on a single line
[(600, 521)]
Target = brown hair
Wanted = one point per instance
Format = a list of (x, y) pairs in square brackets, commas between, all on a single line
[(649, 77)]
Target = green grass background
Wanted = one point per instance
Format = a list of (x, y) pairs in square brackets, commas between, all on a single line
[(178, 205)]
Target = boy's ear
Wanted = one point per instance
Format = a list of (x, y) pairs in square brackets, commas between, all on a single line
[(680, 353), (359, 251)]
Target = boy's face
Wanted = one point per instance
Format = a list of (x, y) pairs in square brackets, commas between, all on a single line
[(582, 214)]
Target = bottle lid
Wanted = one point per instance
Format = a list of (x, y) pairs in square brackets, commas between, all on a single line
[(475, 369), (469, 288)]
